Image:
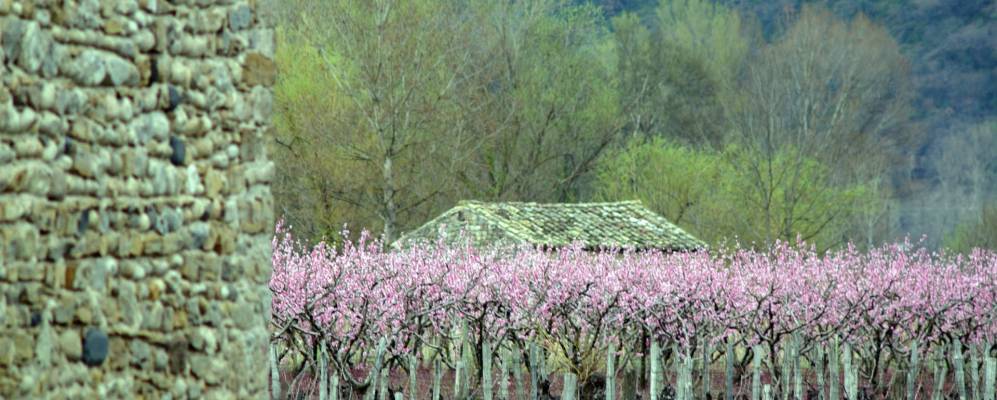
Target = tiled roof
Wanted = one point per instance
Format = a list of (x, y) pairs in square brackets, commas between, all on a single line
[(619, 224)]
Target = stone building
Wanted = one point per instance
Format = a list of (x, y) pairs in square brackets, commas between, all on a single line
[(135, 208), (620, 224)]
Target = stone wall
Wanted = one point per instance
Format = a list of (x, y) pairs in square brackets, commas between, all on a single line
[(135, 207)]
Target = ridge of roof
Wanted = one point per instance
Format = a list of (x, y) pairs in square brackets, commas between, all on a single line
[(626, 223)]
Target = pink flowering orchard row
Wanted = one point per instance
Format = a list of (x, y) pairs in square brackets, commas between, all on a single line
[(580, 302)]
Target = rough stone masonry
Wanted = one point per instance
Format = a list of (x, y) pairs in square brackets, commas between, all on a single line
[(135, 207)]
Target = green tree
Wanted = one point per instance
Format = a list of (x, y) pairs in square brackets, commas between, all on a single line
[(383, 145), (981, 233), (711, 194), (544, 102), (827, 91), (681, 68)]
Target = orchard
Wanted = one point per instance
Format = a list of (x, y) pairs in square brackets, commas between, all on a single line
[(444, 322)]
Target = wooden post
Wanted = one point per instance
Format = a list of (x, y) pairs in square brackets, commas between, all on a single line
[(729, 370), (570, 387), (323, 373), (834, 376), (437, 377), (413, 377), (503, 375), (467, 372), (678, 365), (960, 369), (797, 370), (851, 383), (534, 372), (517, 371), (705, 376), (912, 374), (756, 372), (974, 371), (274, 373), (611, 372), (383, 387), (372, 388), (655, 378), (787, 370), (685, 379), (486, 370), (458, 380), (335, 385), (989, 377), (819, 366), (941, 369)]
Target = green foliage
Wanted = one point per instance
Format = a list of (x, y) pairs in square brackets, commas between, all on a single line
[(681, 70), (546, 104), (390, 111), (717, 197), (981, 233)]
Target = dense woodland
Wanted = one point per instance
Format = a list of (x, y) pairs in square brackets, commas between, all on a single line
[(831, 121)]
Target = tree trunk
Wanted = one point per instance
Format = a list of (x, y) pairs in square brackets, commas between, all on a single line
[(335, 385), (503, 375), (797, 370), (390, 212), (383, 389), (974, 371), (534, 372), (960, 369), (941, 369), (323, 373), (517, 371), (851, 384), (570, 391), (486, 370), (989, 377), (729, 371), (437, 377), (655, 378), (458, 381), (914, 371), (611, 372), (274, 373), (705, 376), (756, 370), (413, 377), (819, 366), (834, 376)]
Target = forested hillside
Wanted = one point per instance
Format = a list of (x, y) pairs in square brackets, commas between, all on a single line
[(952, 55), (834, 122)]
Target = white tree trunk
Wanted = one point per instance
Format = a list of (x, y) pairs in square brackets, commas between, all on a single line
[(915, 369), (323, 373), (960, 369), (655, 370), (851, 381), (989, 377), (413, 377), (486, 370), (274, 373), (756, 372), (834, 375), (729, 371), (570, 391), (611, 372)]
